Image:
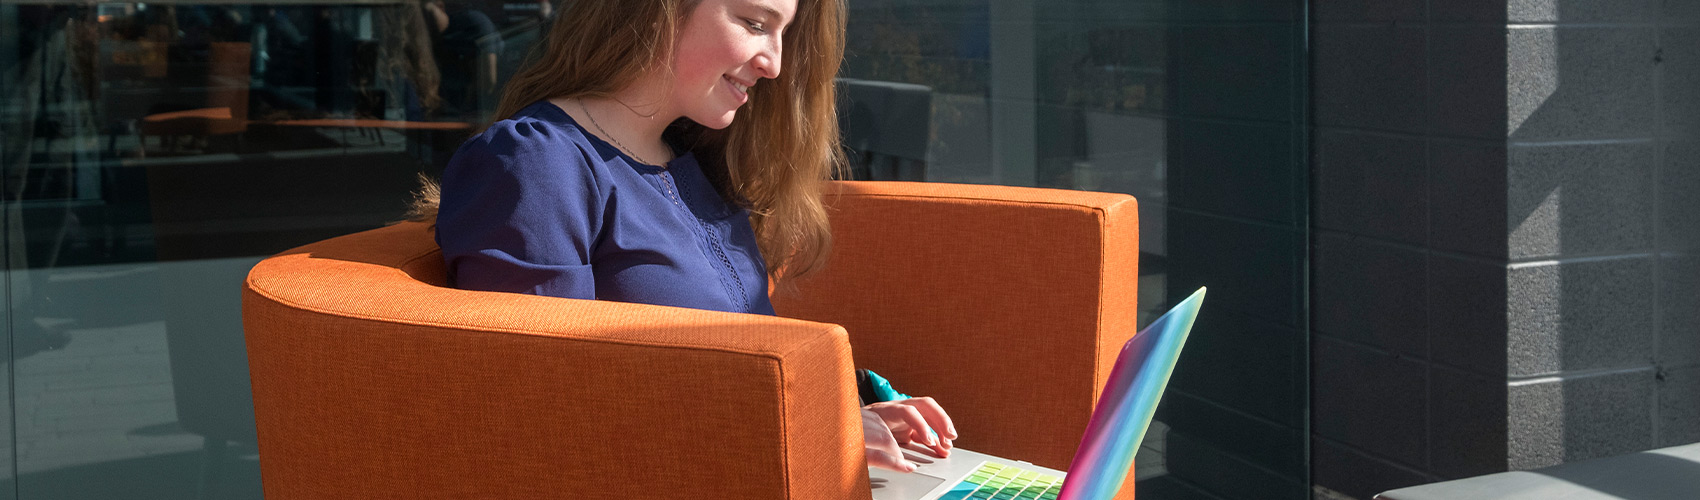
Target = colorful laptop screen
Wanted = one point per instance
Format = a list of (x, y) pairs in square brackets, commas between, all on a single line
[(1125, 408)]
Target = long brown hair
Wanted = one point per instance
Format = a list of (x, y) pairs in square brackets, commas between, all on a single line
[(774, 158)]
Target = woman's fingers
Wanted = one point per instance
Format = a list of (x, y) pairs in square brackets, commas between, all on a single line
[(935, 416), (912, 418), (882, 448), (919, 420), (909, 425), (939, 446)]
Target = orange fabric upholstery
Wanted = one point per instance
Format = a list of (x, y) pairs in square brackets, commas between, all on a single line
[(372, 380), (1007, 305)]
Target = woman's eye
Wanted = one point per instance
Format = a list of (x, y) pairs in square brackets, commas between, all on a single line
[(755, 25)]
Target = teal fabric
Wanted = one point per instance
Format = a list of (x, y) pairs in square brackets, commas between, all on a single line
[(882, 389)]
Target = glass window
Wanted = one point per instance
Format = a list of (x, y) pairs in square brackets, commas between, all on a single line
[(152, 152)]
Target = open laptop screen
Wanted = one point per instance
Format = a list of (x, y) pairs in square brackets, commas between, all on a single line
[(1129, 400)]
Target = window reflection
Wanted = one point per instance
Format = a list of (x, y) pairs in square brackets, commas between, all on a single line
[(151, 153)]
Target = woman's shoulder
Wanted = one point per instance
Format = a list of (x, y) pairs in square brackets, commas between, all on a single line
[(539, 130), (539, 125), (538, 141)]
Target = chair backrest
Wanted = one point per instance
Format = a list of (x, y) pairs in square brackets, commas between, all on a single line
[(936, 281), (228, 77), (370, 380)]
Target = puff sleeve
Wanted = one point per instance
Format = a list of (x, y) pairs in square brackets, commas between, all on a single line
[(521, 210)]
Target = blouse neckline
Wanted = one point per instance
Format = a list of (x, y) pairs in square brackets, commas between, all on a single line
[(568, 118)]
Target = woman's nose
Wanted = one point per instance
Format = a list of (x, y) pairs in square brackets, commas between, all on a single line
[(767, 62)]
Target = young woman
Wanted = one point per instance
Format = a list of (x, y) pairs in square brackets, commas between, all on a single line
[(666, 152)]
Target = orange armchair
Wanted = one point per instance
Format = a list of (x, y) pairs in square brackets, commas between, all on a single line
[(373, 380)]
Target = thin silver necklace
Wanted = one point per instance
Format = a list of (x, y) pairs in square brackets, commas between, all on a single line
[(611, 136)]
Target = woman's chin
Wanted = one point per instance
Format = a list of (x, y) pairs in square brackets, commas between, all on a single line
[(718, 121)]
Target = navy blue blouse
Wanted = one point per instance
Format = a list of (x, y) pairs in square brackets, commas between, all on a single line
[(537, 205)]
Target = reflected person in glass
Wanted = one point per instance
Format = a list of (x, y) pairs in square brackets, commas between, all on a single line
[(657, 153)]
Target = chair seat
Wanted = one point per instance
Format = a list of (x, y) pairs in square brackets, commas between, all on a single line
[(202, 121)]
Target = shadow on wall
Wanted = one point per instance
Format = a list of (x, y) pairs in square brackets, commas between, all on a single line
[(1604, 127)]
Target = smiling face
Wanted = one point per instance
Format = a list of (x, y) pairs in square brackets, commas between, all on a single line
[(724, 47)]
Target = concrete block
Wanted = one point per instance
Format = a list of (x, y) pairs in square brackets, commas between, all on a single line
[(1580, 83), (1467, 197), (1359, 11), (1264, 281), (1170, 488), (1467, 423), (1224, 475), (1467, 315), (1566, 200), (1680, 11), (1375, 294), (1679, 80), (1679, 208), (1246, 365), (1372, 185), (1357, 474), (1235, 10), (1472, 11), (1276, 448), (1235, 71), (1553, 421), (1370, 400), (1252, 179), (1467, 82), (1369, 77), (1679, 406), (1580, 316), (1580, 11), (1679, 311)]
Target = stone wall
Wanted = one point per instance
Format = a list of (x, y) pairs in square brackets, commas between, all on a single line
[(1503, 226), (1603, 104)]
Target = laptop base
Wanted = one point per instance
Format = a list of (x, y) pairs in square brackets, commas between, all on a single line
[(932, 480)]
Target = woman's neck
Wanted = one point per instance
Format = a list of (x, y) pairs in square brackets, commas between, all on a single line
[(633, 120)]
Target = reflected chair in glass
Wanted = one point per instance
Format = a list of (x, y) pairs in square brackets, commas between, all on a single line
[(226, 108), (371, 378)]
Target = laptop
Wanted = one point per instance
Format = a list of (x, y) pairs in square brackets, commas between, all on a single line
[(1106, 450)]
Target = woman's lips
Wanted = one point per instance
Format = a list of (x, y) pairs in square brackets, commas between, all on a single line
[(740, 95)]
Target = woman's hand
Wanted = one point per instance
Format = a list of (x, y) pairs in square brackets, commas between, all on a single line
[(882, 449), (919, 420)]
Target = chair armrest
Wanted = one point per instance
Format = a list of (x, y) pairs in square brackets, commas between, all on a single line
[(371, 384), (1007, 304)]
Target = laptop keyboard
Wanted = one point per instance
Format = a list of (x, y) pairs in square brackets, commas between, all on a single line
[(1003, 482)]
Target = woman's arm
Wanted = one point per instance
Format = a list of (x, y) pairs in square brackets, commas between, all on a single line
[(520, 212)]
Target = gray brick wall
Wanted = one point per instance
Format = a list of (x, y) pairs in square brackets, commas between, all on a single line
[(1601, 131), (1408, 243), (1503, 238)]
